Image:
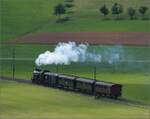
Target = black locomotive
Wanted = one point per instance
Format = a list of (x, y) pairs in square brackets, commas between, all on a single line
[(74, 83)]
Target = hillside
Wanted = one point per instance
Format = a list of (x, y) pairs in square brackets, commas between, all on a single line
[(20, 17), (27, 101)]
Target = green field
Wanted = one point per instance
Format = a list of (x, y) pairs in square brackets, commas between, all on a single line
[(20, 17), (133, 75), (31, 102), (134, 59), (25, 101)]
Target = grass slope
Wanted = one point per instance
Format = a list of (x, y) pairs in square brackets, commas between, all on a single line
[(24, 16), (20, 17), (27, 102)]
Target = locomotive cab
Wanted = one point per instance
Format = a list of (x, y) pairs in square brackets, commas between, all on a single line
[(36, 76)]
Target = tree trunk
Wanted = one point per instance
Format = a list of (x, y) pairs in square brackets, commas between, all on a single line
[(59, 17), (117, 16)]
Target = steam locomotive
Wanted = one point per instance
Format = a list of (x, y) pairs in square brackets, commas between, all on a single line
[(78, 84)]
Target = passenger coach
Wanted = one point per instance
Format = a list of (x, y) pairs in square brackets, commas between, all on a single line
[(107, 89), (83, 85)]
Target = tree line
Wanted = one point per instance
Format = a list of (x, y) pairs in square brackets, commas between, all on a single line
[(62, 9), (116, 10)]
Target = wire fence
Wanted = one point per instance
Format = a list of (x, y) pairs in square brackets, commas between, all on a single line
[(22, 63)]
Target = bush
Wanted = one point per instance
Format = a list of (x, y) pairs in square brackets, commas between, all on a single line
[(117, 9), (131, 12), (69, 5), (69, 0), (143, 10), (65, 19), (59, 10), (104, 10)]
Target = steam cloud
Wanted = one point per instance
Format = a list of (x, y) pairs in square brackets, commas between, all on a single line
[(112, 55), (66, 53)]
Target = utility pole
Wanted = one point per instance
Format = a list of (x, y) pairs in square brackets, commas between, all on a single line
[(56, 68), (95, 73), (13, 63)]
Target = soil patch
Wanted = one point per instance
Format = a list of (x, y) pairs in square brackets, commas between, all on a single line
[(97, 38)]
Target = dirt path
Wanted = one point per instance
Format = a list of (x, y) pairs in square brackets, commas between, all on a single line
[(102, 38)]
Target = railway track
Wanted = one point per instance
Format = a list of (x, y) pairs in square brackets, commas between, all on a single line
[(118, 101), (127, 102), (16, 79)]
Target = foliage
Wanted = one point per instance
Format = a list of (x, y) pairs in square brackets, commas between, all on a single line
[(117, 9), (85, 17), (131, 12), (68, 5), (104, 10), (59, 10), (143, 10), (69, 0)]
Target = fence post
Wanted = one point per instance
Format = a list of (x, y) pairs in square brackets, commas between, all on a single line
[(13, 63), (95, 72)]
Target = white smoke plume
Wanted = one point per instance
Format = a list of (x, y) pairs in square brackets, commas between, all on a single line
[(112, 55), (114, 58), (66, 53)]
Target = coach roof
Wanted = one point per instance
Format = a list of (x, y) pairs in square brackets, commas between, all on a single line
[(67, 77), (49, 73), (85, 80), (106, 83)]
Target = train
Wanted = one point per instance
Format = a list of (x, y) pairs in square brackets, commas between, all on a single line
[(78, 84)]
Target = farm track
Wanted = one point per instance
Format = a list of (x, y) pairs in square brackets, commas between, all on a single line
[(95, 38), (118, 101)]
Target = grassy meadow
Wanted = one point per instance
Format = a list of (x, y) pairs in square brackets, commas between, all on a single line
[(133, 75), (21, 17), (25, 101)]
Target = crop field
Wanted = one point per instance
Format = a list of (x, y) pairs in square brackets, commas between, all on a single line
[(20, 17)]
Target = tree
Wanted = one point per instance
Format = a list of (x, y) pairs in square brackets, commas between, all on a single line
[(131, 12), (104, 10), (59, 10), (117, 9), (68, 5), (69, 0), (142, 10)]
